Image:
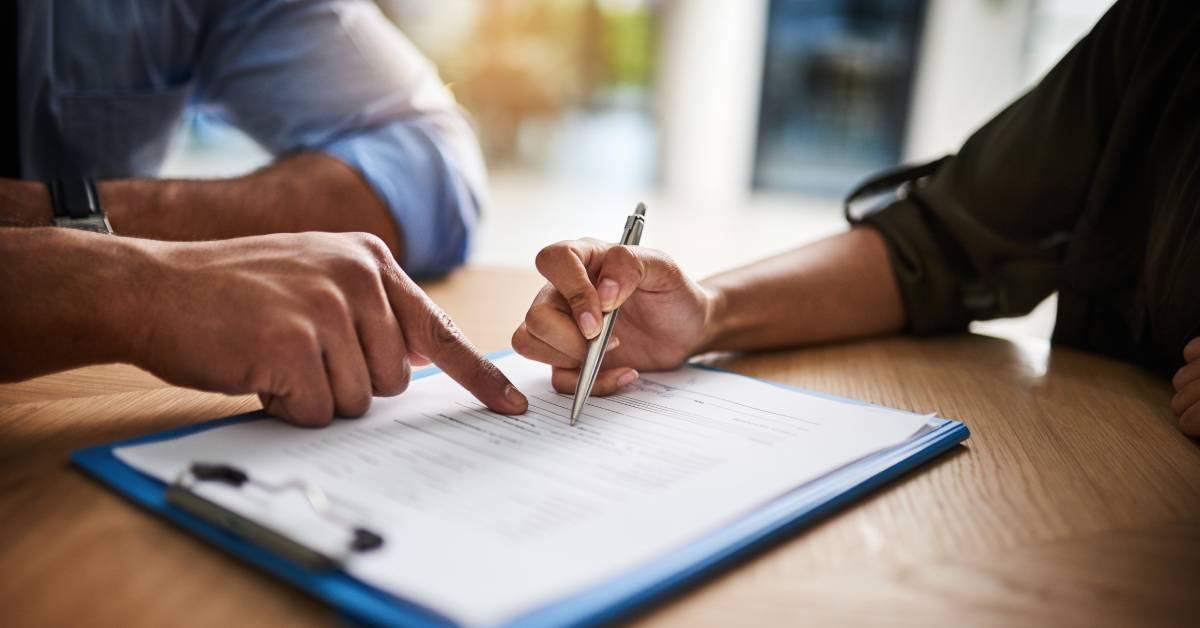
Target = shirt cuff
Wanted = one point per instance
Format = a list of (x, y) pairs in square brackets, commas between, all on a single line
[(429, 197), (929, 288)]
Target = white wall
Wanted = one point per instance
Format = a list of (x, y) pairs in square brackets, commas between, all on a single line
[(969, 67), (709, 82), (977, 56)]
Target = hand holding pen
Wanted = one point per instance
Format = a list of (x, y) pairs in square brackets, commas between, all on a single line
[(663, 321)]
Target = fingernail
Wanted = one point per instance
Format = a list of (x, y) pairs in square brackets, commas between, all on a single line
[(608, 290), (589, 325), (613, 343), (514, 396), (627, 377)]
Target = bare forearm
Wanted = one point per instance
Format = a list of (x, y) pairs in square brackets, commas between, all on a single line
[(63, 293), (840, 287), (307, 192)]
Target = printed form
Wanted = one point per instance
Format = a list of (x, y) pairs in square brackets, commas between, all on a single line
[(486, 517)]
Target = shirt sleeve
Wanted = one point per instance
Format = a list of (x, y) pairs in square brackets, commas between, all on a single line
[(987, 235), (336, 76)]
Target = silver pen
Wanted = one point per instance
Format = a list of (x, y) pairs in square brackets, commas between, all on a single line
[(591, 364)]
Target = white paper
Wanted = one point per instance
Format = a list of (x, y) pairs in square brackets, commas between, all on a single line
[(486, 517)]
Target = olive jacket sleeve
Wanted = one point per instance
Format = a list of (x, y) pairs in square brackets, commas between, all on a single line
[(986, 235)]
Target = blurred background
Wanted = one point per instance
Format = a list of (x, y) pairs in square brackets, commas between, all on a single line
[(740, 123)]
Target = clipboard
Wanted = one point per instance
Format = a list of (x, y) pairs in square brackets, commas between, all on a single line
[(606, 602)]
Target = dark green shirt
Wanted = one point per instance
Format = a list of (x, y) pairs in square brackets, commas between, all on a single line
[(1089, 184)]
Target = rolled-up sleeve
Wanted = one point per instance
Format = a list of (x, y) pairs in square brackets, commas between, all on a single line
[(427, 193), (335, 76), (987, 235)]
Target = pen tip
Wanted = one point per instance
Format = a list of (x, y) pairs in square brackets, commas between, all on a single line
[(641, 209)]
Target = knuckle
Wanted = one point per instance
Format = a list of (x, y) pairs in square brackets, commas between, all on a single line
[(548, 298), (328, 304), (621, 253), (549, 255), (536, 319), (395, 380), (668, 265), (364, 265), (290, 338), (358, 405), (444, 331), (625, 262), (532, 322), (546, 294), (563, 380), (521, 342), (356, 268), (371, 242), (579, 301)]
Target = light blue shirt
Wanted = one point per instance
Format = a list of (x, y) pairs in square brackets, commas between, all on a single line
[(104, 84)]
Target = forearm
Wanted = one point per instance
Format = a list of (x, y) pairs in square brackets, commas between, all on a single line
[(306, 192), (64, 293), (837, 288)]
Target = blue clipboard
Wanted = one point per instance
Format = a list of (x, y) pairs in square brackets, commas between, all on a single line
[(601, 604)]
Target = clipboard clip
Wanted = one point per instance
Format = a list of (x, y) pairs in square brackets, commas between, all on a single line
[(182, 493)]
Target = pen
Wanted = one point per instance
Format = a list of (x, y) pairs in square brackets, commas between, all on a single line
[(595, 354)]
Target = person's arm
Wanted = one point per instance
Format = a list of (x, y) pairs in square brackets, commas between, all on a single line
[(366, 135), (837, 288), (336, 78), (989, 235), (314, 323), (306, 192)]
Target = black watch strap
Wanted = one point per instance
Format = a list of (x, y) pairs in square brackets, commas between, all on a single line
[(77, 205)]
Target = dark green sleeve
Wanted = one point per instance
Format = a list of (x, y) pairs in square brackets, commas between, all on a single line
[(986, 235)]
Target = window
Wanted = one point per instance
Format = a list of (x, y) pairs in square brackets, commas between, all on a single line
[(836, 84)]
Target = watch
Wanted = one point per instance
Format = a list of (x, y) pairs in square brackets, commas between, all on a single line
[(77, 205)]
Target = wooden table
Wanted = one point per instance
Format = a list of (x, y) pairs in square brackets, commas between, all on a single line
[(1076, 501)]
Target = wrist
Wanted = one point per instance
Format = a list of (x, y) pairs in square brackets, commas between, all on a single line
[(716, 316), (69, 292), (25, 204), (71, 298), (126, 201), (144, 269), (121, 272)]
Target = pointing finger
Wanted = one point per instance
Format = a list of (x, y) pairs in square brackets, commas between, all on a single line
[(431, 333), (563, 264)]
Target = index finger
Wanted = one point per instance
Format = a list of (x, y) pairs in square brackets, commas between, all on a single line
[(430, 332), (564, 265)]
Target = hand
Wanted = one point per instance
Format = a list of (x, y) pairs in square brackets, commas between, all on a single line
[(663, 321), (314, 323), (1186, 403)]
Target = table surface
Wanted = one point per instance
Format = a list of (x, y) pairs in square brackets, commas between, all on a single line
[(1075, 502)]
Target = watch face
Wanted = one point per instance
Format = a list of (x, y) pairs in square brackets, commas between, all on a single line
[(97, 224)]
